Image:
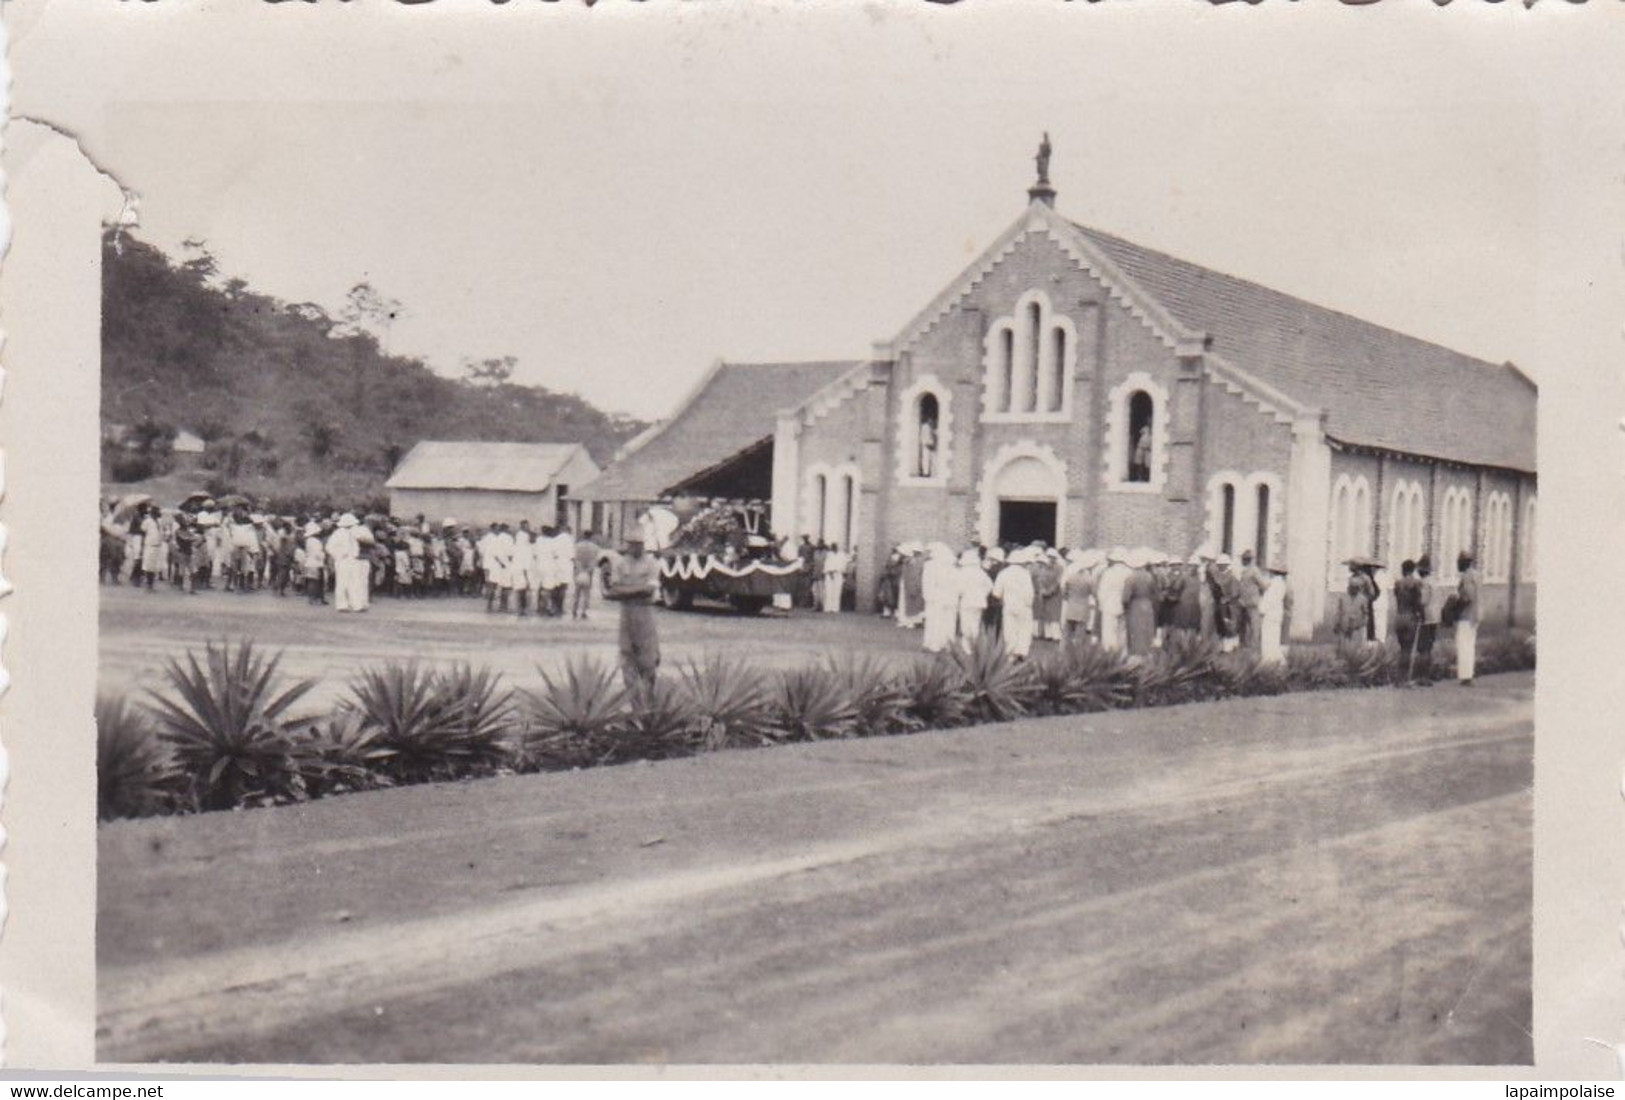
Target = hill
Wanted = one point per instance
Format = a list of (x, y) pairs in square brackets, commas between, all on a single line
[(292, 403)]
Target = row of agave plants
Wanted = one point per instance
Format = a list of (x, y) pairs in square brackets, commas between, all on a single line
[(226, 731)]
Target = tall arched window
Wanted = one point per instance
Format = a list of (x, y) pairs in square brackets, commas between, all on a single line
[(1351, 525), (849, 510), (1261, 532), (1527, 556), (1497, 538), (1455, 529), (924, 432), (1055, 392), (1141, 410), (1227, 522), (1007, 368), (1028, 362), (820, 503), (1406, 520), (927, 416)]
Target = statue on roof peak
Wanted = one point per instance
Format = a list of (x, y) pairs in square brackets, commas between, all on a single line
[(1043, 159)]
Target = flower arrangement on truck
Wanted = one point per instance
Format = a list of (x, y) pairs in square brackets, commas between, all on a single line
[(723, 551)]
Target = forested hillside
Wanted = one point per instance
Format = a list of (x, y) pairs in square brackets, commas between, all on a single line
[(292, 402)]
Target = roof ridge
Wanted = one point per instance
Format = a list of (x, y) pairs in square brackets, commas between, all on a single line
[(1255, 284)]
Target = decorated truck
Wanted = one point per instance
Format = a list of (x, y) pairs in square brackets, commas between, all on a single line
[(721, 552)]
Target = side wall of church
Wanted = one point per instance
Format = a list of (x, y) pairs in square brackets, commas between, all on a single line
[(847, 441), (1507, 593)]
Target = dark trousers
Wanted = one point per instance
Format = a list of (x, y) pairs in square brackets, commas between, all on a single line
[(1406, 630), (1424, 651)]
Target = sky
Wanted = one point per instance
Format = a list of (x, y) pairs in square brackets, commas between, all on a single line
[(618, 203)]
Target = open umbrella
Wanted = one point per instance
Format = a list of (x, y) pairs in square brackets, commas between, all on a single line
[(192, 500), (233, 500), (128, 503)]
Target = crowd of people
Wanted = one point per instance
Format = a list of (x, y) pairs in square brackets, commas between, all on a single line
[(339, 559), (1127, 600), (1135, 600)]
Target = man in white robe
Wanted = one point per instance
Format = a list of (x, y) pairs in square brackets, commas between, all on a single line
[(1015, 592), (937, 585), (1274, 614), (974, 588), (349, 568), (1109, 597), (834, 577)]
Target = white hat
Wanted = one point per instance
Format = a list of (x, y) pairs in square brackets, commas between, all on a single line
[(996, 554), (447, 522), (1222, 559), (1117, 554), (1075, 556), (347, 520), (1195, 558), (312, 528), (970, 557), (1092, 558)]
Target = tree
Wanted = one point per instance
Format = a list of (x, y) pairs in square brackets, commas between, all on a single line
[(370, 312), (492, 372)]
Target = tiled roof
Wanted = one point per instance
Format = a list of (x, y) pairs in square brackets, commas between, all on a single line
[(736, 407), (509, 467), (1379, 388)]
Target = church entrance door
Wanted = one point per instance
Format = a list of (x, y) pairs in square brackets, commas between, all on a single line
[(1025, 521)]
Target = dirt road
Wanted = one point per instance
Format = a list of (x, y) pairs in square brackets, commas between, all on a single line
[(1342, 877)]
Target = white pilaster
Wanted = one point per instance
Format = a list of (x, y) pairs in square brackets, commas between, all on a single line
[(1308, 511)]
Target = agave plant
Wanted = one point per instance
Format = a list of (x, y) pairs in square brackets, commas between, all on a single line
[(229, 729), (133, 775), (1168, 676), (1315, 668), (726, 699), (813, 704), (657, 721), (1081, 677), (997, 686), (576, 716), (877, 694), (936, 694), (1367, 665), (345, 753), (437, 727), (1244, 673)]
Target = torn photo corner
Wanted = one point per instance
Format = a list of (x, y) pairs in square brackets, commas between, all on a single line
[(811, 538)]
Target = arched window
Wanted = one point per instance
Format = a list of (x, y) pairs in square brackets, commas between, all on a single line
[(1455, 529), (1527, 556), (1028, 362), (924, 432), (1351, 525), (1055, 392), (1497, 541), (1136, 435), (1140, 413), (849, 510), (1261, 533), (1007, 368), (1227, 522), (820, 504), (1406, 519), (926, 418)]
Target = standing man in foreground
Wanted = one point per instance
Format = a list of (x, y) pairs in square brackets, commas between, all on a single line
[(633, 583)]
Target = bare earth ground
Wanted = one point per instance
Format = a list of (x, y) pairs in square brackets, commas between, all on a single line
[(1338, 877), (139, 629)]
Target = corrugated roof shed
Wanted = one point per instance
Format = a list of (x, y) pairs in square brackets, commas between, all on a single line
[(506, 467), (1379, 388), (736, 407)]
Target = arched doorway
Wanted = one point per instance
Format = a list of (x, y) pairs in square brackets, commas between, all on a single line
[(1026, 495)]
